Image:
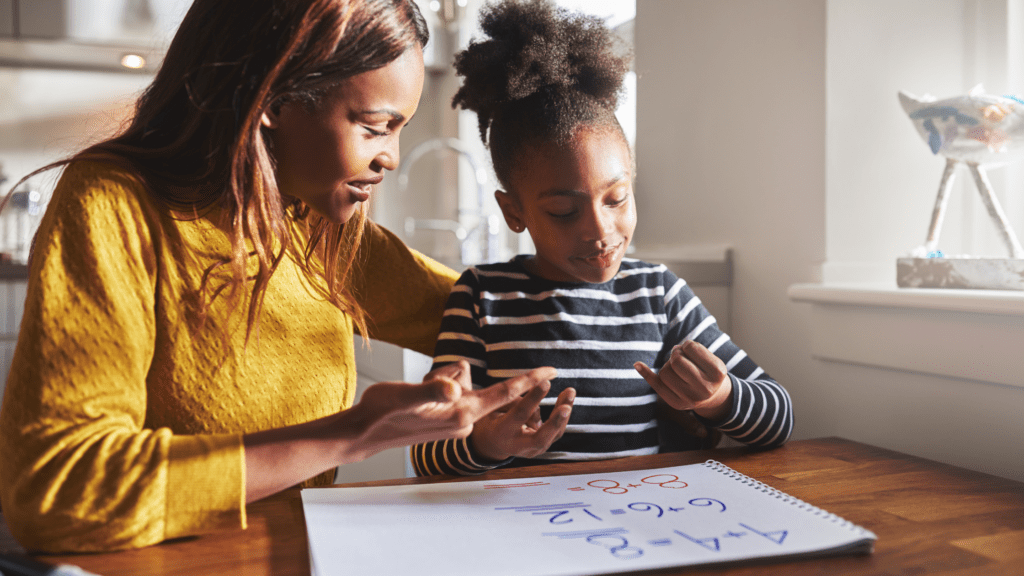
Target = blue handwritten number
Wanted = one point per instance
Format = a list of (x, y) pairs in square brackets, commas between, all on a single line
[(622, 550), (707, 502), (557, 514), (709, 543), (776, 536), (646, 507)]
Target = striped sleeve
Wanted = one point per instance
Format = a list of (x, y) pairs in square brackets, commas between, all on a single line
[(452, 456), (762, 412), (459, 339)]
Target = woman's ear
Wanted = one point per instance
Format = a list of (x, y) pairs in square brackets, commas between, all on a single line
[(272, 115), (511, 210), (269, 118)]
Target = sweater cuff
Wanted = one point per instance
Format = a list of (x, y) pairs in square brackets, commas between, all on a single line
[(205, 484), (482, 463), (734, 410)]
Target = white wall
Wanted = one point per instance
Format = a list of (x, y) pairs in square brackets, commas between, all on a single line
[(731, 150), (772, 127)]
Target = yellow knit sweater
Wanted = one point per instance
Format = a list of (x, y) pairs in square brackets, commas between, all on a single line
[(122, 420)]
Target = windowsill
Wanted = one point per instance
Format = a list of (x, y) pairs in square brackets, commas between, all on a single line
[(965, 334), (972, 301)]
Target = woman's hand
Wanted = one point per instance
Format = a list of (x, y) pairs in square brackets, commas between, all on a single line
[(517, 430), (692, 379), (390, 414), (443, 406)]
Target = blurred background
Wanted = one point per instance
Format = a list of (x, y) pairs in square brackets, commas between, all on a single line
[(777, 173)]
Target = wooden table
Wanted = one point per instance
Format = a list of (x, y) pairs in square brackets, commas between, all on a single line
[(930, 518)]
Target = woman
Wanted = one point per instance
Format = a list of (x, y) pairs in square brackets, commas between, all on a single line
[(195, 283)]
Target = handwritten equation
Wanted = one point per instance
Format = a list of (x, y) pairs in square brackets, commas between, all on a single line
[(617, 540)]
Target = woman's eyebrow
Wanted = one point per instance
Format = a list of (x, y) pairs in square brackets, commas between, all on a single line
[(394, 114)]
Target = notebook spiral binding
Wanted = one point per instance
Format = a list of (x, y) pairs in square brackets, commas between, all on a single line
[(762, 487)]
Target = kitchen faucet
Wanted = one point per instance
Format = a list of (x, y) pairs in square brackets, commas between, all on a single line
[(472, 225)]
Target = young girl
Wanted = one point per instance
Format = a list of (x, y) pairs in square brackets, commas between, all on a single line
[(544, 85)]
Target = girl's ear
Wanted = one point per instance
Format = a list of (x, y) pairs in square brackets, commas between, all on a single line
[(511, 210)]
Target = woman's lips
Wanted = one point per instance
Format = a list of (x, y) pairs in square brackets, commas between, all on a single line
[(361, 189)]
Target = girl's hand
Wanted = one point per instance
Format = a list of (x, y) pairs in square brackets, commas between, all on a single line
[(518, 431), (692, 379)]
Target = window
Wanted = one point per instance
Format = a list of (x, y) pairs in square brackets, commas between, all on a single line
[(881, 179)]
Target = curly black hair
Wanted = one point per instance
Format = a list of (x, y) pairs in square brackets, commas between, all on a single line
[(540, 74)]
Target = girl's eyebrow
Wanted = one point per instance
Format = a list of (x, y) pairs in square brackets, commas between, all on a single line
[(573, 193)]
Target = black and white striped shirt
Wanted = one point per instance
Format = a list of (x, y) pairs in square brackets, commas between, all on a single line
[(505, 321)]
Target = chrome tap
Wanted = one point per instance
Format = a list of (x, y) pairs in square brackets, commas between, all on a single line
[(472, 225)]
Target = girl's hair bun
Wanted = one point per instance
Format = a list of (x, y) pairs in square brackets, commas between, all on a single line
[(543, 65)]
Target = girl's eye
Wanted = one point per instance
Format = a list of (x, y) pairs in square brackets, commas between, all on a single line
[(377, 133)]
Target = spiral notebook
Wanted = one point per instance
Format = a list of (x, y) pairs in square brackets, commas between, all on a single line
[(569, 525)]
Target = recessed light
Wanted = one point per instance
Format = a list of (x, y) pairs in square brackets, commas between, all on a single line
[(133, 61)]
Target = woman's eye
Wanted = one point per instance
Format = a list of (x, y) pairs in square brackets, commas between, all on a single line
[(377, 133)]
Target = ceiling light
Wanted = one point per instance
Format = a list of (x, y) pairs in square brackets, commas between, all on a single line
[(133, 61)]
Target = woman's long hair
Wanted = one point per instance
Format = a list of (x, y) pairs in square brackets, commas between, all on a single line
[(196, 138)]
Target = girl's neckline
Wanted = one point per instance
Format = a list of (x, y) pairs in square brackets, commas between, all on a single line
[(519, 261)]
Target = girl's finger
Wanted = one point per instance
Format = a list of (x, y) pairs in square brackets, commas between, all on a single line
[(667, 393), (523, 410), (711, 366), (682, 375), (550, 431)]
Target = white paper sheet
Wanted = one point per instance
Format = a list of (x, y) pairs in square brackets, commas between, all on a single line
[(566, 525)]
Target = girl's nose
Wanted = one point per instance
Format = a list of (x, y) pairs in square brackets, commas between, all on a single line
[(598, 226)]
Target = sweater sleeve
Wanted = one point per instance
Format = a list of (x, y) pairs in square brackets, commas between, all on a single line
[(79, 471), (402, 291), (762, 412), (459, 339)]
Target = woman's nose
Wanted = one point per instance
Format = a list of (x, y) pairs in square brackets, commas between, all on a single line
[(389, 157)]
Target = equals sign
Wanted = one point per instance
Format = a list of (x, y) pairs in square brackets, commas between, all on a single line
[(661, 542), (577, 489)]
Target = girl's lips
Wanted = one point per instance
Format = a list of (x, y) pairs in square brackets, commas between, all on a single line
[(605, 259)]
